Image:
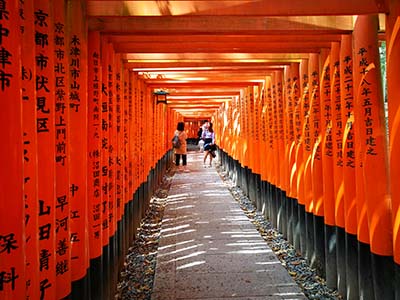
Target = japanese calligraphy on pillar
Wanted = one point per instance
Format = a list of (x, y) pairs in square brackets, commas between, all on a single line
[(61, 148), (132, 132), (105, 144), (94, 144), (290, 108), (348, 111), (126, 121), (270, 117), (119, 158), (77, 50), (348, 144), (367, 103), (327, 110), (141, 124), (371, 134), (315, 111), (337, 114), (45, 83), (12, 225), (112, 149), (297, 118), (30, 145), (306, 114)]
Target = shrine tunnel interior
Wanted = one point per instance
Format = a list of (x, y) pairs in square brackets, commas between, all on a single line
[(303, 96)]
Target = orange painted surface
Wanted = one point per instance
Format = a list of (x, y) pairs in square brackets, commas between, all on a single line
[(112, 138), (337, 136), (277, 80), (289, 128), (62, 112), (30, 149), (272, 161), (304, 169), (133, 133), (269, 162), (119, 158), (94, 145), (348, 144), (127, 99), (296, 124), (371, 134), (46, 140), (327, 142), (12, 225), (316, 205), (77, 41), (393, 61), (105, 144)]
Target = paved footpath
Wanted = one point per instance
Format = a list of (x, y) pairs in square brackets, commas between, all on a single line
[(209, 249)]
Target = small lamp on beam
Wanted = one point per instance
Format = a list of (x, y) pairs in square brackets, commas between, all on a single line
[(160, 96)]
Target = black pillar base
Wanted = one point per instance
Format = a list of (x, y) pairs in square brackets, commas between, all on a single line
[(341, 260), (318, 260), (352, 288), (282, 212), (96, 278), (300, 234), (397, 281), (309, 237), (383, 276), (293, 219), (366, 287), (80, 289), (330, 256)]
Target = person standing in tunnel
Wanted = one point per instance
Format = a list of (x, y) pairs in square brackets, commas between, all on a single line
[(182, 149), (209, 144)]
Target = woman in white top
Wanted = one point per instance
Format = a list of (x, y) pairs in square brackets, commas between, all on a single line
[(209, 144)]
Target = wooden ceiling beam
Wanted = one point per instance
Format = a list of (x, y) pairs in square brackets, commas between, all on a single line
[(222, 47), (228, 38), (237, 84), (235, 7), (222, 25), (141, 64)]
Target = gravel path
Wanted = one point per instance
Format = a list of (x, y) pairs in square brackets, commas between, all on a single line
[(137, 276)]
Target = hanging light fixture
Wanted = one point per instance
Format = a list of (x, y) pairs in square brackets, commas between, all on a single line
[(160, 96)]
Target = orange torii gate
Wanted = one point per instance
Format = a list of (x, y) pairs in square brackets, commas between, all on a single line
[(84, 146)]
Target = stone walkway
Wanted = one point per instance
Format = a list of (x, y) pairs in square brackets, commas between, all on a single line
[(209, 249)]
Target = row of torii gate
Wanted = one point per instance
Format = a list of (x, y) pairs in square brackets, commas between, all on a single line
[(84, 145)]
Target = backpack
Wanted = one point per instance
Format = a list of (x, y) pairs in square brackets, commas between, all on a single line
[(176, 143)]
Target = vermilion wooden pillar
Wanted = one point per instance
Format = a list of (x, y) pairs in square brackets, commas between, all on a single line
[(267, 134), (45, 101), (77, 49), (30, 147), (292, 201), (12, 214), (305, 166), (348, 152), (327, 156), (299, 122), (277, 81), (94, 178), (326, 142), (338, 185), (371, 138), (288, 123), (62, 112), (315, 204), (393, 61), (295, 125)]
